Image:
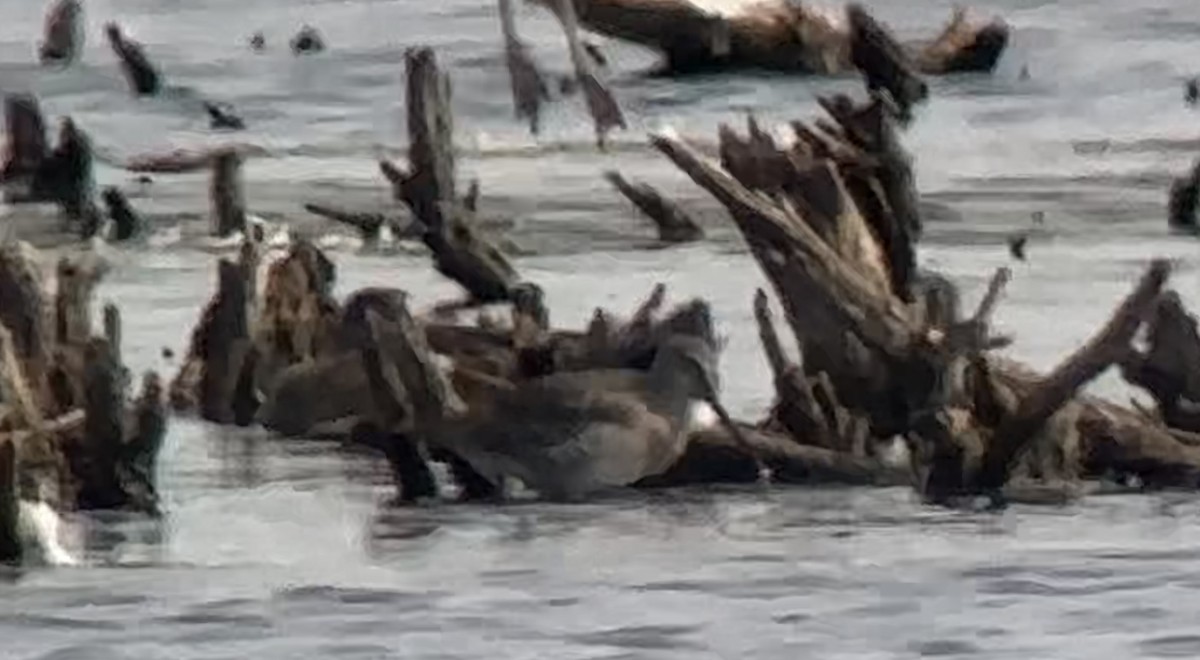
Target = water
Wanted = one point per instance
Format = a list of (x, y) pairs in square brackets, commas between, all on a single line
[(274, 549)]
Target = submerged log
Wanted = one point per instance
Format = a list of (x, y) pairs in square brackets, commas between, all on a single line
[(674, 224), (225, 191), (143, 78), (773, 35), (63, 34)]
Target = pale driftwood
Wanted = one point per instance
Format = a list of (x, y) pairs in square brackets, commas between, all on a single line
[(529, 88), (228, 202), (674, 224)]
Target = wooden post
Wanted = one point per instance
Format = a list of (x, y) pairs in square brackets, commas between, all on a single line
[(10, 511), (63, 34), (223, 341), (225, 191)]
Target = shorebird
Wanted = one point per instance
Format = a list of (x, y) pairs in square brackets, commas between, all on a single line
[(573, 433)]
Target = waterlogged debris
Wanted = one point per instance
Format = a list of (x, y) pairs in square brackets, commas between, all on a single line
[(63, 35), (1016, 246), (258, 42), (141, 74), (308, 40), (223, 117)]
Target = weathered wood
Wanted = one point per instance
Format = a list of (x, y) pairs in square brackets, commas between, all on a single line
[(963, 47), (460, 252), (225, 192), (368, 225), (308, 394), (26, 146), (714, 456), (127, 223), (223, 117), (95, 460), (23, 311), (221, 342), (138, 462), (781, 36), (63, 35), (141, 74), (883, 62), (307, 40), (1110, 345), (606, 114), (76, 285), (1170, 367), (10, 540), (529, 88), (674, 224)]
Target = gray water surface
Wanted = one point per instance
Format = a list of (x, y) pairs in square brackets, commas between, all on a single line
[(285, 549)]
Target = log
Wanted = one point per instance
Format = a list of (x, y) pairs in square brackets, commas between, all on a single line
[(26, 145), (1110, 345), (529, 88), (309, 394), (460, 252), (139, 72), (769, 35), (63, 33), (714, 456), (674, 224), (963, 47), (225, 191)]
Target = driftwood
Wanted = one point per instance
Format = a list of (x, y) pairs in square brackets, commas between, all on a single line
[(529, 88), (307, 40), (141, 74), (10, 541), (368, 225), (674, 224), (1169, 368), (460, 252), (187, 160), (26, 146), (1184, 198), (127, 223), (774, 35), (69, 417), (63, 34), (606, 114), (225, 191), (883, 62)]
